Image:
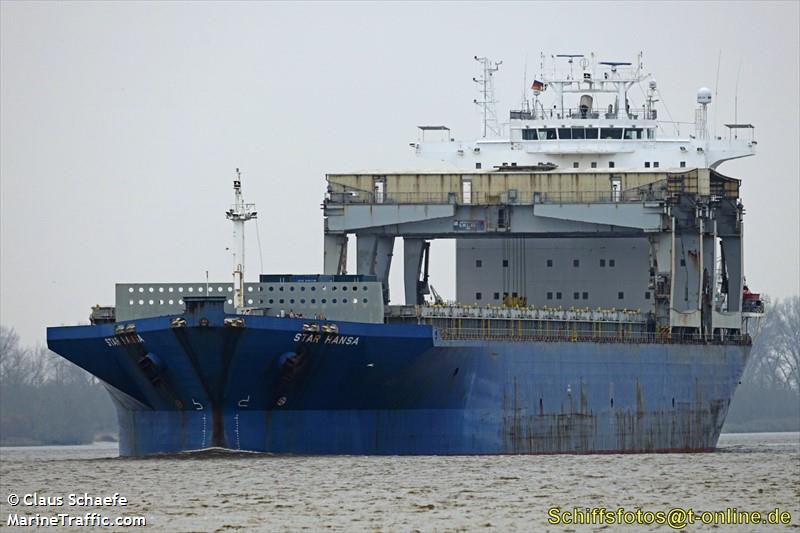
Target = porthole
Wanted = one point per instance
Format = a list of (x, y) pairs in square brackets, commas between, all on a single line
[(302, 300), (291, 301), (250, 301), (130, 289), (180, 302), (130, 302), (355, 300), (271, 301), (141, 289), (180, 289), (344, 287), (333, 301), (191, 289), (199, 289), (230, 289), (230, 301), (333, 288), (302, 289), (313, 288), (219, 289), (280, 301), (291, 289), (150, 289), (364, 288), (171, 302), (170, 289), (324, 300), (355, 288), (161, 302), (250, 288), (280, 288), (364, 300), (141, 302), (271, 288), (161, 289), (313, 300)]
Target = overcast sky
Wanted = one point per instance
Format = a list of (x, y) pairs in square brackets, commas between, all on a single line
[(121, 124)]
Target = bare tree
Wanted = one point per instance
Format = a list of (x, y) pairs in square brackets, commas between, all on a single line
[(786, 343), (775, 358)]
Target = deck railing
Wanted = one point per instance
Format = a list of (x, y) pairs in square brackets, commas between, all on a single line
[(601, 337)]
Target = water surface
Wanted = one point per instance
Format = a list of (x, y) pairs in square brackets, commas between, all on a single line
[(224, 492)]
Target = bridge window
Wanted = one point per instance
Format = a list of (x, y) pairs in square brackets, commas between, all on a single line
[(655, 164), (529, 134), (558, 296), (478, 296), (547, 134), (620, 295), (683, 164), (611, 133), (591, 133), (602, 262), (575, 164), (497, 296), (549, 295), (578, 133), (505, 262), (647, 164), (477, 166), (576, 296), (478, 263), (585, 295), (576, 262), (646, 295), (633, 133), (611, 164), (565, 133), (612, 263), (594, 164), (549, 263)]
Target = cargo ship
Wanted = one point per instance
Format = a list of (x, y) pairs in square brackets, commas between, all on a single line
[(600, 298)]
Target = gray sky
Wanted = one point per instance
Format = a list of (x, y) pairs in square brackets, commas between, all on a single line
[(121, 124)]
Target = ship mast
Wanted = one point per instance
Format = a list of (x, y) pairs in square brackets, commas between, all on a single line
[(489, 123), (239, 213)]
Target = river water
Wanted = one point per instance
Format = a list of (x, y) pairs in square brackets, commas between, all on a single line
[(226, 492)]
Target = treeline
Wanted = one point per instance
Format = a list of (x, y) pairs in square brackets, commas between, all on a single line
[(45, 399), (768, 398)]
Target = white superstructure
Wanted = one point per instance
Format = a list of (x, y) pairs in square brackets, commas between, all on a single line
[(582, 115)]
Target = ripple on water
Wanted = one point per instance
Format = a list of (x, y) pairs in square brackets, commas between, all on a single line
[(218, 490)]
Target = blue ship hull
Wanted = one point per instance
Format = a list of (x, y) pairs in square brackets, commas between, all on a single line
[(398, 389)]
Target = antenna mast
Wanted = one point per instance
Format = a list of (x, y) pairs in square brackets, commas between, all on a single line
[(239, 213), (486, 87)]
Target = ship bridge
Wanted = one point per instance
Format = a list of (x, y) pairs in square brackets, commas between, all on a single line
[(583, 114), (666, 242)]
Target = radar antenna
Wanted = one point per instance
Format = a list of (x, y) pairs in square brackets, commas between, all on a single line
[(239, 213), (487, 102)]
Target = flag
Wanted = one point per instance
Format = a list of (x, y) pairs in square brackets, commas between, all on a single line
[(537, 85)]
